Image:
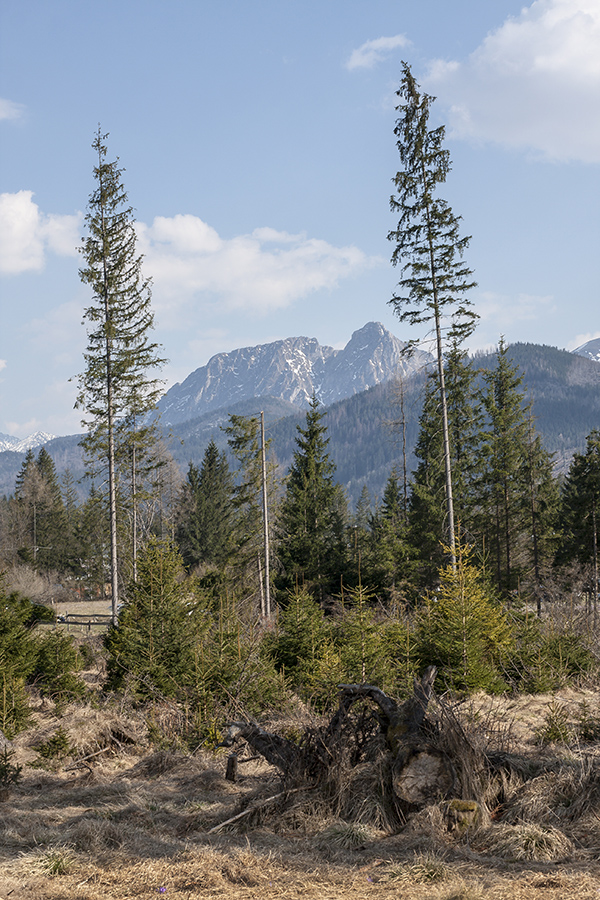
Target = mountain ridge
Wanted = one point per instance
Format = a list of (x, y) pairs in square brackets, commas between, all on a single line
[(564, 388), (294, 370)]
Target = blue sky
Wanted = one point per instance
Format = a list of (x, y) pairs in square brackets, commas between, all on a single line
[(258, 147)]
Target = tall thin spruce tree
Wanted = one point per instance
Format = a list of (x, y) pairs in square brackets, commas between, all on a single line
[(311, 527), (117, 389), (434, 280)]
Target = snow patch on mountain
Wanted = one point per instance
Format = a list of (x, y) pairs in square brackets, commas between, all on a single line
[(21, 445), (293, 369), (591, 349)]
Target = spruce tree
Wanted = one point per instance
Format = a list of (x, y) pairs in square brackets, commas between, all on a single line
[(117, 389), (253, 499), (205, 518), (153, 645), (580, 512), (427, 507), (541, 512), (463, 630), (434, 280), (41, 519), (387, 568), (312, 547), (504, 492)]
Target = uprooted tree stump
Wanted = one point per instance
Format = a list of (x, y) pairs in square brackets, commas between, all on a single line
[(413, 765)]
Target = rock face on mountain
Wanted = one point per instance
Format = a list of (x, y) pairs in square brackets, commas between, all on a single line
[(20, 445), (292, 370), (591, 349)]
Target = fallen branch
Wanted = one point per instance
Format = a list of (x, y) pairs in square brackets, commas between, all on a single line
[(254, 808), (83, 759)]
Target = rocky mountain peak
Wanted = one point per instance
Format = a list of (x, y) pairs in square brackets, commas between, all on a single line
[(293, 370), (591, 349)]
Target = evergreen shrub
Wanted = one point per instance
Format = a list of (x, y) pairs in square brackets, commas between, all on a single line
[(57, 664), (463, 630)]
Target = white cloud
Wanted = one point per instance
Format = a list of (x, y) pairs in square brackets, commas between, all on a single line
[(27, 235), (10, 110), (580, 339), (533, 83), (2, 364), (372, 52), (509, 315), (253, 273)]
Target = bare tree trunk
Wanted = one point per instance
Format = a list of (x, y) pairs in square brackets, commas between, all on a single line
[(595, 560), (112, 489), (267, 610), (134, 527), (442, 383)]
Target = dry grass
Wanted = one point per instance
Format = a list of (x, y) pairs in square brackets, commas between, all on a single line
[(134, 819)]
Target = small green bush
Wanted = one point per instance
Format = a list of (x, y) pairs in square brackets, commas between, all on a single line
[(15, 713), (588, 723), (56, 747), (10, 774), (58, 662), (556, 728)]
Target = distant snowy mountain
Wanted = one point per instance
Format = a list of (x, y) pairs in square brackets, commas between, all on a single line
[(293, 370), (21, 445), (591, 349)]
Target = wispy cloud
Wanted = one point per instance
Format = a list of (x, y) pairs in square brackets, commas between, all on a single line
[(10, 110), (252, 273), (533, 83), (373, 52), (27, 235), (517, 316), (580, 339)]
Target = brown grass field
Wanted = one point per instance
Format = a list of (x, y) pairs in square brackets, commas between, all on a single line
[(139, 819)]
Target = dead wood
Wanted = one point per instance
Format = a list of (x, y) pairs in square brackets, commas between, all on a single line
[(254, 808), (419, 771)]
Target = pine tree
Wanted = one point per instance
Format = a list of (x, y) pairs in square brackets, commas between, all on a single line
[(427, 507), (428, 247), (205, 518), (312, 548), (463, 630), (580, 512), (153, 644), (253, 500), (505, 489), (116, 390)]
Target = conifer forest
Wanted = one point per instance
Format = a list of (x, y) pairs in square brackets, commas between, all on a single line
[(237, 592)]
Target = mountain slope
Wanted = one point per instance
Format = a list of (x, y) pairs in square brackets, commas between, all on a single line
[(591, 349), (293, 370), (564, 388)]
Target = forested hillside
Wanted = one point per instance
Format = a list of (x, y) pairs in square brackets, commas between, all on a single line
[(564, 388)]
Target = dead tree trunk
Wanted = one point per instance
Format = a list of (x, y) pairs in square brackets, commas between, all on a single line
[(420, 772)]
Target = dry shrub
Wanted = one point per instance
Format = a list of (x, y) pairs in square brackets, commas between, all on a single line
[(342, 835), (464, 890), (92, 834), (428, 826), (526, 841), (567, 790), (363, 794), (157, 763), (424, 868)]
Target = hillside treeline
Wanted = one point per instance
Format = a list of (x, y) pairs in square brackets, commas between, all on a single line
[(362, 594)]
